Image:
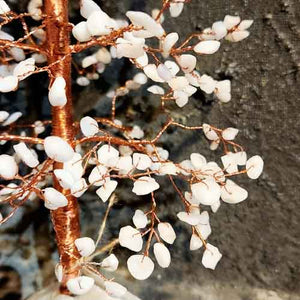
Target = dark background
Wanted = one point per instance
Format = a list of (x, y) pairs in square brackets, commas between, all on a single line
[(259, 238)]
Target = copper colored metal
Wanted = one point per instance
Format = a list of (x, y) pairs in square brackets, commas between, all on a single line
[(65, 220)]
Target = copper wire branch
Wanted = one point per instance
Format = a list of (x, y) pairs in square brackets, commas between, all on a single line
[(66, 219)]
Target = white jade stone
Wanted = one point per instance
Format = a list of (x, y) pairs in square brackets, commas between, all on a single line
[(12, 118), (115, 289), (130, 238), (176, 9), (207, 47), (229, 133), (82, 81), (85, 246), (156, 90), (197, 160), (4, 8), (9, 189), (223, 90), (110, 263), (162, 255), (59, 272), (54, 199), (231, 21), (89, 126), (103, 55), (74, 166), (211, 256), (245, 24), (24, 67), (8, 84), (254, 166), (178, 83), (125, 150), (164, 73), (26, 155), (151, 72), (219, 30), (8, 167), (127, 49), (167, 168), (155, 12), (241, 158), (172, 66), (106, 153), (237, 36), (79, 188), (34, 8), (80, 285), (233, 193), (140, 266), (18, 54), (190, 90), (143, 20), (3, 115), (193, 78), (204, 229), (57, 92), (58, 149), (99, 23), (141, 161), (81, 33), (140, 78), (139, 219), (189, 218), (136, 132), (168, 43), (187, 62), (89, 61), (145, 185), (87, 7), (209, 132), (230, 163), (97, 176), (215, 206), (195, 242), (166, 232), (181, 98), (206, 192), (143, 60), (64, 178), (207, 84), (107, 189)]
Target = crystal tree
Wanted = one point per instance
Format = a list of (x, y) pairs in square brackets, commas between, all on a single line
[(97, 153)]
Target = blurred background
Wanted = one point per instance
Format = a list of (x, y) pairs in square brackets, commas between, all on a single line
[(259, 238)]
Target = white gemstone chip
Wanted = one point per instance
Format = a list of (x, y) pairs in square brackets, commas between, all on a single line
[(85, 246), (57, 92), (8, 167), (80, 285), (131, 238), (26, 155), (162, 255), (54, 199), (140, 266), (58, 149), (166, 232)]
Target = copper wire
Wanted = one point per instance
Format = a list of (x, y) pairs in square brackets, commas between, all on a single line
[(65, 220)]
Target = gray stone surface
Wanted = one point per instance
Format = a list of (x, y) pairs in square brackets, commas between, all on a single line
[(259, 238)]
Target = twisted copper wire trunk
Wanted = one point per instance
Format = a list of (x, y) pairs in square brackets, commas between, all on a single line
[(65, 220)]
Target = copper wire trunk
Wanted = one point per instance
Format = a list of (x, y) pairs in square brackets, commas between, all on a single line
[(65, 220)]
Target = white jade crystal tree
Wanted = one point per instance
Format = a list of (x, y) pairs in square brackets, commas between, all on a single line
[(97, 153)]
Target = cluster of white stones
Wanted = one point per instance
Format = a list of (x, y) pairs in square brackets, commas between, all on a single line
[(175, 71)]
